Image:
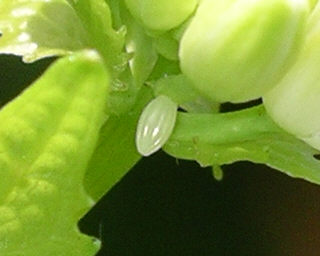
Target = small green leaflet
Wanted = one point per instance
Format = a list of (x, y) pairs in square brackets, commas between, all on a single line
[(37, 29), (47, 136), (216, 139)]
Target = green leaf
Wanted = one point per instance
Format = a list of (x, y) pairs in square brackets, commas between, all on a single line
[(47, 136), (216, 139), (37, 29), (116, 152)]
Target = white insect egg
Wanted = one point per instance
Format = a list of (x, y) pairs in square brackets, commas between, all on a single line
[(155, 125)]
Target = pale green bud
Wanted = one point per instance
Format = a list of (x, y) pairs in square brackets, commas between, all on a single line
[(161, 14), (237, 50), (294, 104)]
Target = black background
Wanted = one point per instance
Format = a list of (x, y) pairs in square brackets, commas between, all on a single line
[(168, 207)]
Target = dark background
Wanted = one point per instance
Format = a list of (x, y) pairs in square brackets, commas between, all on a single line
[(169, 207)]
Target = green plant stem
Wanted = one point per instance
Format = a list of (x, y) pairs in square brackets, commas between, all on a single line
[(223, 128), (116, 152), (216, 139)]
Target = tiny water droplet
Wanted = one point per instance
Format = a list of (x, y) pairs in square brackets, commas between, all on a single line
[(217, 172)]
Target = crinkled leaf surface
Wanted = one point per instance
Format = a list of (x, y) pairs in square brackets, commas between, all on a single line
[(40, 28), (216, 139), (47, 136)]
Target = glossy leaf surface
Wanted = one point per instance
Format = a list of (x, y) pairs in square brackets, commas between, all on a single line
[(37, 29)]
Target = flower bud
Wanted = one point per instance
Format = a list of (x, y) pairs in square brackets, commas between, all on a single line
[(161, 14), (237, 50), (294, 104)]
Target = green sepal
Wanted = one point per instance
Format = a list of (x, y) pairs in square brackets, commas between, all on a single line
[(167, 46), (139, 44), (180, 89)]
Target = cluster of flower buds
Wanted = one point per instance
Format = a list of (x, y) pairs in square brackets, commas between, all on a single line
[(237, 50), (241, 50)]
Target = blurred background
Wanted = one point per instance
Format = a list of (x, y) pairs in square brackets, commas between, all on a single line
[(165, 207)]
